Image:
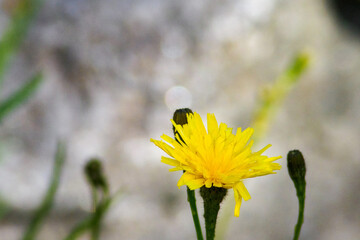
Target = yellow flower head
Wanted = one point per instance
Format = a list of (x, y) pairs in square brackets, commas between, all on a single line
[(215, 158)]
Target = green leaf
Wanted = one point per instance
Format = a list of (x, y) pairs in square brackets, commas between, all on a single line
[(4, 207), (16, 32), (20, 96), (45, 206), (80, 228)]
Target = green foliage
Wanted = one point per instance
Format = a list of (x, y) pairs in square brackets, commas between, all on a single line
[(4, 207), (20, 96), (273, 96), (45, 207), (16, 32), (98, 184), (92, 223), (9, 44)]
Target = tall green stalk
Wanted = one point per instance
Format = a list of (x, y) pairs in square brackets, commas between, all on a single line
[(300, 217), (192, 201)]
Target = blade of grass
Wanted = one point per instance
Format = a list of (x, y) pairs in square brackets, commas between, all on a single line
[(45, 206), (20, 96), (16, 32), (80, 228), (4, 207), (92, 223), (273, 97)]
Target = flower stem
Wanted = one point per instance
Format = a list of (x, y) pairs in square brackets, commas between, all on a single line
[(192, 201), (301, 197), (212, 198)]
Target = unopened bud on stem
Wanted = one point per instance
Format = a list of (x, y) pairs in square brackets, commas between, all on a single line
[(297, 168), (297, 171), (180, 117), (95, 175)]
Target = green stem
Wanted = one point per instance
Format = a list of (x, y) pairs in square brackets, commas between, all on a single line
[(93, 222), (99, 214), (94, 199), (301, 198), (80, 229), (192, 201), (212, 198), (45, 207)]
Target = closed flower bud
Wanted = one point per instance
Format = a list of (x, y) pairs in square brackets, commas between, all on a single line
[(94, 174), (180, 117), (296, 165), (297, 170)]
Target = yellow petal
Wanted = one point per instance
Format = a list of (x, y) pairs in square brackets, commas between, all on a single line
[(198, 124), (185, 178), (212, 125), (271, 159), (241, 189), (179, 129), (218, 184), (237, 203), (275, 166), (170, 161), (170, 140), (208, 183), (196, 183), (243, 139), (263, 149), (168, 149), (175, 169)]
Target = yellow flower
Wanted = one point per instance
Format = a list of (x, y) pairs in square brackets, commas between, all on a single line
[(215, 158)]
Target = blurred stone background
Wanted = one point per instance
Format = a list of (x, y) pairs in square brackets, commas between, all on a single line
[(116, 70)]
